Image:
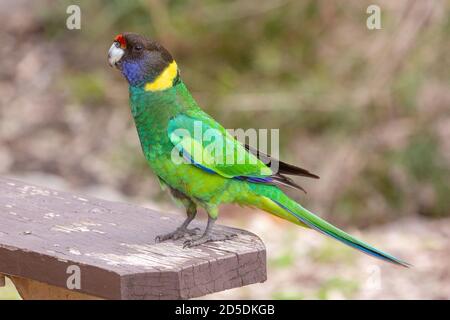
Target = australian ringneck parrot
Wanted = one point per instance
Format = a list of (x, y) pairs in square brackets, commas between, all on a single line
[(163, 109)]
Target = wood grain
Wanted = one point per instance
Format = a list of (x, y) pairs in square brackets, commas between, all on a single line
[(43, 232)]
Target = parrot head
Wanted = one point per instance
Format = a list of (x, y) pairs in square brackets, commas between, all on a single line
[(140, 60)]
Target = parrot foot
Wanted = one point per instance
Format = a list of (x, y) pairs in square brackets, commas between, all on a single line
[(208, 238), (177, 234)]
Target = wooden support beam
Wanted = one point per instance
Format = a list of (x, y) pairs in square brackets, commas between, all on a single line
[(66, 246), (35, 290)]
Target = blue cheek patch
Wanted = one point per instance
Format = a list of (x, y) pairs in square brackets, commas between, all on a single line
[(133, 71)]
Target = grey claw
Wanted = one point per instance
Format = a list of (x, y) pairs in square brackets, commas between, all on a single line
[(208, 238), (177, 234), (187, 244)]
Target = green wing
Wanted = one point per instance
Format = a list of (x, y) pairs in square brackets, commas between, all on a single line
[(206, 144)]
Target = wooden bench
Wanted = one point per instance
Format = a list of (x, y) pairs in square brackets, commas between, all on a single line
[(57, 245)]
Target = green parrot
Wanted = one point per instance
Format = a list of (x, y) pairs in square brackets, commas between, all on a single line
[(167, 117)]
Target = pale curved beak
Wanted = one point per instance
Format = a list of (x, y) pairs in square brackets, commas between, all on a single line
[(115, 53)]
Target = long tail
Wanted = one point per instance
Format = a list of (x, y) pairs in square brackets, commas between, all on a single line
[(276, 202)]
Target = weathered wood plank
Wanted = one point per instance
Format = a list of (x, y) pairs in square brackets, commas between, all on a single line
[(43, 232)]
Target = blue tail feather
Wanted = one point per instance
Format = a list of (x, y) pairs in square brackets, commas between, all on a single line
[(348, 240)]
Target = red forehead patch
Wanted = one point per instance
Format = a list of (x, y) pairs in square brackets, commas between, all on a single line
[(120, 39)]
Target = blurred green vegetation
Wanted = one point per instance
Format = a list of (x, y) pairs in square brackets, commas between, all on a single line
[(365, 109)]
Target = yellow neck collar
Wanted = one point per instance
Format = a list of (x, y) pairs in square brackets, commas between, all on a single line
[(164, 80)]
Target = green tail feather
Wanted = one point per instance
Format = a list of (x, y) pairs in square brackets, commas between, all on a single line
[(294, 210)]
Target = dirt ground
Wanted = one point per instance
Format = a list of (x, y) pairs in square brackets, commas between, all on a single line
[(306, 265)]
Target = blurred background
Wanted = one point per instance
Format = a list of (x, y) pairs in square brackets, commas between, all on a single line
[(367, 110)]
